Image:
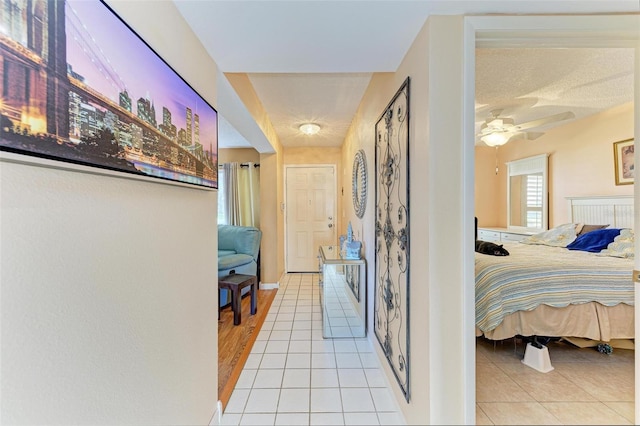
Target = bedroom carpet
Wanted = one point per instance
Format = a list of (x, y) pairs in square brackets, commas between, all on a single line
[(235, 342), (585, 387)]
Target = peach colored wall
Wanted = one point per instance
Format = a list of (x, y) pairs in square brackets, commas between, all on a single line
[(271, 195), (434, 61), (239, 155), (361, 135), (487, 186), (580, 164), (271, 184), (312, 155)]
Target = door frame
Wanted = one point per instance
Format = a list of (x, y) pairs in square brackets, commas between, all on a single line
[(284, 205), (530, 31)]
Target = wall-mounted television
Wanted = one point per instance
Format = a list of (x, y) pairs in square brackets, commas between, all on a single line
[(80, 86)]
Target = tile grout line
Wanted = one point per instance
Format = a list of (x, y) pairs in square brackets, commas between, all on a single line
[(314, 304)]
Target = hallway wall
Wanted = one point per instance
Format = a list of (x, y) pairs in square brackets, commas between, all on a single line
[(435, 65), (240, 155), (271, 184), (108, 306)]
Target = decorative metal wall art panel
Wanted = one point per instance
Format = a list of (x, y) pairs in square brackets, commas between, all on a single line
[(391, 301)]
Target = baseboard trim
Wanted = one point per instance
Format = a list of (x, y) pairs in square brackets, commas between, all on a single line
[(216, 419), (269, 286)]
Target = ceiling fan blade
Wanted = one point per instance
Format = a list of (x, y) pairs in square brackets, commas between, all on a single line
[(525, 136), (546, 120), (533, 135)]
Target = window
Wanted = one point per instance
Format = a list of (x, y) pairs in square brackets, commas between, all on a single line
[(222, 199), (527, 194), (534, 201)]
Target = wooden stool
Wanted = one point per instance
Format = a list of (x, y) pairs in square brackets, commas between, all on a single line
[(235, 283)]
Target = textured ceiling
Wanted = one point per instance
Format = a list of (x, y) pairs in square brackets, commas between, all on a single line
[(329, 100), (311, 60), (528, 84)]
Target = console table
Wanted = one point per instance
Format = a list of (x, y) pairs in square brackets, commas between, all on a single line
[(343, 294)]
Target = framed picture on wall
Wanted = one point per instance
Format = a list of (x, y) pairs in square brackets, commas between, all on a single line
[(623, 158)]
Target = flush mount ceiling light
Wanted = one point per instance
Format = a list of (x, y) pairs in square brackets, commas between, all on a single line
[(309, 128)]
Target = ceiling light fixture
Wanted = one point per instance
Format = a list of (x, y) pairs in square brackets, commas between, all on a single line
[(309, 128), (495, 139)]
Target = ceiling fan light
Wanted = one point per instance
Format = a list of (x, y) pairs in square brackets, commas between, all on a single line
[(495, 139), (499, 123), (309, 128)]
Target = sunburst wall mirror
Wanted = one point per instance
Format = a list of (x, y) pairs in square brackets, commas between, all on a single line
[(359, 183)]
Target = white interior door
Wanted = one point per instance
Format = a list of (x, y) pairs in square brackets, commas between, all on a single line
[(310, 215)]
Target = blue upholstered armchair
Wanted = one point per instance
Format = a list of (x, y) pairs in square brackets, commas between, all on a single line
[(238, 250)]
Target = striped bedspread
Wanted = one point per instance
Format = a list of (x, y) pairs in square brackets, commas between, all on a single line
[(535, 274)]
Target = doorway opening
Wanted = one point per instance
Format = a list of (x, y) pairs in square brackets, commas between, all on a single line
[(528, 32)]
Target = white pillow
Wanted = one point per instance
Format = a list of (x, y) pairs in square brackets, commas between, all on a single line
[(560, 236), (622, 245)]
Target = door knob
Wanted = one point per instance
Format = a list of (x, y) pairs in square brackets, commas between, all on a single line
[(331, 225)]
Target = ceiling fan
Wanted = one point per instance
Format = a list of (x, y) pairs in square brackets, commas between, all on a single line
[(496, 130)]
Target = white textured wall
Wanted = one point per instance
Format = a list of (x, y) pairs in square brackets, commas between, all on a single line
[(107, 285), (450, 228)]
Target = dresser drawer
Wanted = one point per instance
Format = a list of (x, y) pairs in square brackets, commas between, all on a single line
[(507, 236), (487, 235)]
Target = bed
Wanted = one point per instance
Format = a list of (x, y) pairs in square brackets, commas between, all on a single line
[(540, 290)]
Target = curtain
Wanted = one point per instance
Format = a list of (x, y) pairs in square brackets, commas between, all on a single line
[(239, 195), (249, 195), (230, 189)]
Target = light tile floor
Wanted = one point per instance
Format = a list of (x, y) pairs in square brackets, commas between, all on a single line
[(585, 387), (294, 376)]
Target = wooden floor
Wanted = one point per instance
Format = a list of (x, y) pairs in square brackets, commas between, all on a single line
[(235, 342)]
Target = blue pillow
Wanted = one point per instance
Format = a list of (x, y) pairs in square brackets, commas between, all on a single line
[(594, 241)]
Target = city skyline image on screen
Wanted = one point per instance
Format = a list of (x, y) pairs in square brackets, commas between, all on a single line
[(80, 86)]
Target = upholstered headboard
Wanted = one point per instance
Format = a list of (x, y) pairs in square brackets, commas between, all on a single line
[(617, 211)]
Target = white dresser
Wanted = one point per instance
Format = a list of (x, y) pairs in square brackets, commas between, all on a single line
[(498, 235)]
